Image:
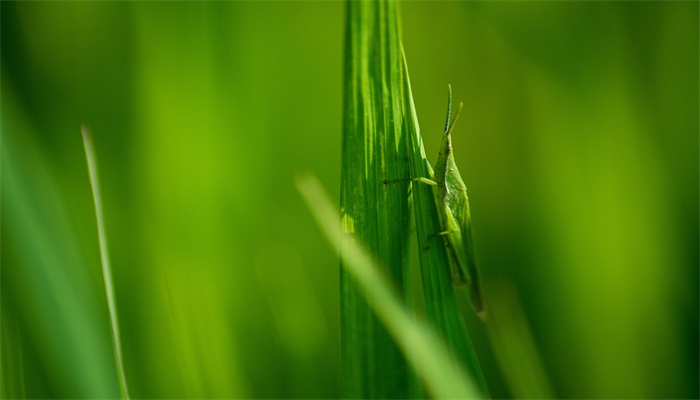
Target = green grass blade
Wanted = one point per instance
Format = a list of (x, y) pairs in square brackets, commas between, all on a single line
[(440, 303), (57, 328), (373, 149), (433, 363), (104, 257)]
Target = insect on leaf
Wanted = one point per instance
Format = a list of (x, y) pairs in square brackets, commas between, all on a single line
[(455, 217)]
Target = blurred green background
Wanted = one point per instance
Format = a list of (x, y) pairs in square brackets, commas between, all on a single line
[(579, 145)]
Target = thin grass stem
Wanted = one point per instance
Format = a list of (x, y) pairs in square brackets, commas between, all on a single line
[(104, 257)]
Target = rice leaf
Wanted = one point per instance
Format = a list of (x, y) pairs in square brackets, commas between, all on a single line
[(373, 149), (441, 374)]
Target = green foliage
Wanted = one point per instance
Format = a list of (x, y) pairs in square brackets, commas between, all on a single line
[(104, 258), (376, 145), (440, 372), (578, 141), (439, 296), (52, 319), (373, 148)]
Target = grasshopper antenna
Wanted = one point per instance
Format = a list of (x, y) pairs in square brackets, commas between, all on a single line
[(449, 106), (454, 121), (451, 124)]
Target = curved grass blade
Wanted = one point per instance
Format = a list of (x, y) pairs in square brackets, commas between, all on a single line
[(104, 257), (441, 374)]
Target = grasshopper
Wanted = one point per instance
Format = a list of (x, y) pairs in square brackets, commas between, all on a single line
[(455, 218)]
